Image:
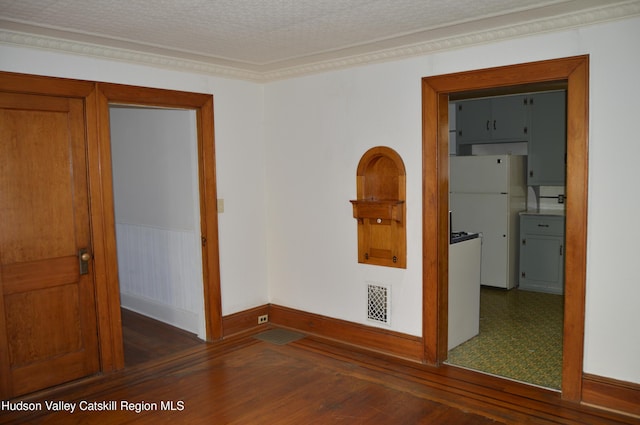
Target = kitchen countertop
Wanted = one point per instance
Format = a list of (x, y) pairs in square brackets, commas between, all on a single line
[(544, 212)]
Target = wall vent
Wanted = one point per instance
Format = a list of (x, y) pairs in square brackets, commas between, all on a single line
[(378, 303)]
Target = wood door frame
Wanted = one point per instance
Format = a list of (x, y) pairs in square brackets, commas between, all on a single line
[(102, 186), (574, 71)]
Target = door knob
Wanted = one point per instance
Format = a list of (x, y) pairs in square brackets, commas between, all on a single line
[(83, 258)]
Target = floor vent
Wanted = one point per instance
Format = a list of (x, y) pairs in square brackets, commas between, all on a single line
[(378, 303), (279, 336)]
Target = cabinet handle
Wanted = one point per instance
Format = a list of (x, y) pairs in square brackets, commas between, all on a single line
[(395, 259), (494, 124), (488, 121), (543, 225), (524, 242), (561, 250), (531, 173)]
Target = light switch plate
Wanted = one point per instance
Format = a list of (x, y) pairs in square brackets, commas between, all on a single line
[(220, 206)]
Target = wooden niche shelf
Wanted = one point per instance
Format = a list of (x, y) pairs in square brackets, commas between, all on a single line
[(380, 208)]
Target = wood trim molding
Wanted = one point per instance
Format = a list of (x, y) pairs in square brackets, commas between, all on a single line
[(577, 183), (243, 321), (203, 105), (611, 394), (103, 226), (26, 83), (209, 220), (354, 334), (436, 90), (366, 337)]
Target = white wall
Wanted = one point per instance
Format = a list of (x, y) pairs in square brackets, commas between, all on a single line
[(154, 155), (317, 127), (240, 167)]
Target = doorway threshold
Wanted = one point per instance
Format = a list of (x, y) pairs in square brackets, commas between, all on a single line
[(520, 338)]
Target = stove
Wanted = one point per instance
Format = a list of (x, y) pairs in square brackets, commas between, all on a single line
[(456, 237)]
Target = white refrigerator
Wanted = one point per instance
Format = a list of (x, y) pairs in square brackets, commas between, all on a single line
[(486, 194)]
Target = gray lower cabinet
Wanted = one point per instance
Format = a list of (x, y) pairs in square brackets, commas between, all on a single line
[(542, 253)]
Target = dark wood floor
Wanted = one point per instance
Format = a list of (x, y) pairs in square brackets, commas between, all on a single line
[(146, 339), (244, 380)]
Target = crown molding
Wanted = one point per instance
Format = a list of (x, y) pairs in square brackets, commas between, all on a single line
[(556, 23), (34, 41)]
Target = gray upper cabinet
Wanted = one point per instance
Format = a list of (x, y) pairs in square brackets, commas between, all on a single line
[(492, 120), (540, 119), (546, 161)]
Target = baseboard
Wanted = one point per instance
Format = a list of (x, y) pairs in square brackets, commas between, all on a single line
[(243, 321), (368, 337), (182, 319), (600, 392), (611, 394)]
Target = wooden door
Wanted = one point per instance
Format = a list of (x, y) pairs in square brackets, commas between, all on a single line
[(48, 332)]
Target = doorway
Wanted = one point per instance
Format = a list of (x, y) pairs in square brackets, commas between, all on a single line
[(196, 110), (507, 188), (435, 96), (156, 202)]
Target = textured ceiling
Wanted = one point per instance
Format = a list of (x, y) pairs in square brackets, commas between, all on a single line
[(262, 36)]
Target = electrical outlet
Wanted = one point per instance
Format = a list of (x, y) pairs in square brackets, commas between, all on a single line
[(263, 319)]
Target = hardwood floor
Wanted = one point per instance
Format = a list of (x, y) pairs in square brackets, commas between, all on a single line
[(244, 380), (146, 339)]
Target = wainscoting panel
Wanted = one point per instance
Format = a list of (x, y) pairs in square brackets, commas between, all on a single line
[(160, 273)]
